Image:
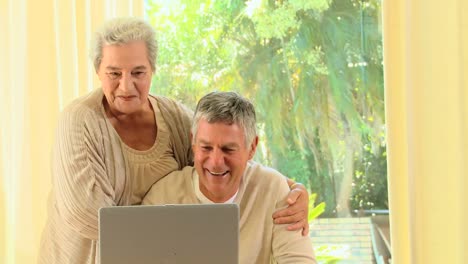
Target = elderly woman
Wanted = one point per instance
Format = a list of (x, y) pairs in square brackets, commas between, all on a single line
[(114, 143)]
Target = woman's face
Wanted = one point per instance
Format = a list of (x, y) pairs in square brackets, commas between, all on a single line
[(125, 75)]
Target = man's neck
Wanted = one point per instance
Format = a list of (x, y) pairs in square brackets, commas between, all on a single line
[(205, 197)]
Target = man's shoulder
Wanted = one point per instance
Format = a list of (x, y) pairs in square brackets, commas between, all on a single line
[(264, 173), (172, 188), (176, 177), (264, 186), (265, 178)]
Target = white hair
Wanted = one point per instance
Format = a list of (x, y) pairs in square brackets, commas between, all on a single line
[(120, 31)]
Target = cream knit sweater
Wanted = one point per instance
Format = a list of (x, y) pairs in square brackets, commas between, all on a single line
[(262, 192), (93, 168)]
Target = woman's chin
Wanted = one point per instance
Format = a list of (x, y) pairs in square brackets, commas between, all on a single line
[(128, 108)]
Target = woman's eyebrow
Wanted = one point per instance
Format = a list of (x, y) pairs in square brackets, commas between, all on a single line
[(113, 68)]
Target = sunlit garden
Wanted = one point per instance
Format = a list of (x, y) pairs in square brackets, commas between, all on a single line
[(315, 74)]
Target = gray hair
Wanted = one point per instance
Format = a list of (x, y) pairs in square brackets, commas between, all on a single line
[(229, 108), (118, 31)]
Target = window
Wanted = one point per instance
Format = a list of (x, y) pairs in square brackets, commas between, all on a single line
[(315, 74)]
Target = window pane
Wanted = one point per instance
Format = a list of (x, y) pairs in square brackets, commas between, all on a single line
[(314, 72)]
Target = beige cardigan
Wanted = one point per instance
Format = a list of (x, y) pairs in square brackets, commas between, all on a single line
[(90, 170)]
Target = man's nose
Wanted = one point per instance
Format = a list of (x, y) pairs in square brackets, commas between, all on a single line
[(217, 158)]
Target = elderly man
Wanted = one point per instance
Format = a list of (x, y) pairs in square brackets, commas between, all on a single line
[(224, 141)]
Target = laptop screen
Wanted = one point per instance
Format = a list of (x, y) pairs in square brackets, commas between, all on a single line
[(198, 233)]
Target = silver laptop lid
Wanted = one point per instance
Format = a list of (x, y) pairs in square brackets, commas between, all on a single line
[(201, 233)]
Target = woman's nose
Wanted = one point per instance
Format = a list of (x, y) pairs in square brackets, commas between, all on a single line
[(126, 82)]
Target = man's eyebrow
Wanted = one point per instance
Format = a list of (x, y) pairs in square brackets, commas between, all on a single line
[(228, 145), (231, 145), (203, 142), (141, 67), (113, 68)]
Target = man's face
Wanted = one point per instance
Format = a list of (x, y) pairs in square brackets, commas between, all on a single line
[(125, 75), (220, 158)]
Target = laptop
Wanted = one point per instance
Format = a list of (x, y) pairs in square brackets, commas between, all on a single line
[(182, 233)]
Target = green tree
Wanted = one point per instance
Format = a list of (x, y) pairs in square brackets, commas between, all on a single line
[(312, 68)]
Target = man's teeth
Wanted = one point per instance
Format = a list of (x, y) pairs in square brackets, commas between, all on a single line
[(218, 173)]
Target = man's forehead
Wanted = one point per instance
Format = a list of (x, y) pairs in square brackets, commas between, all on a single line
[(211, 123)]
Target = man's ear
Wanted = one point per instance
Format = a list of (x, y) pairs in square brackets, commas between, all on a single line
[(192, 142), (253, 147)]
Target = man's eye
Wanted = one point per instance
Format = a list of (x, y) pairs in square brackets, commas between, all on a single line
[(139, 74), (206, 148)]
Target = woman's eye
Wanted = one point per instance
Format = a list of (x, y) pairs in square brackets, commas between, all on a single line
[(113, 75)]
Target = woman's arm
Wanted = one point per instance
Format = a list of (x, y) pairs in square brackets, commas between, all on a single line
[(297, 211), (80, 181), (290, 246)]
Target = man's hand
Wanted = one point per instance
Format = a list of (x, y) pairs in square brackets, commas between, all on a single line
[(297, 211)]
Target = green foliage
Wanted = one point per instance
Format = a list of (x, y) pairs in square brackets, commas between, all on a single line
[(331, 254), (369, 187), (312, 68), (315, 210), (305, 5), (279, 20), (275, 23)]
